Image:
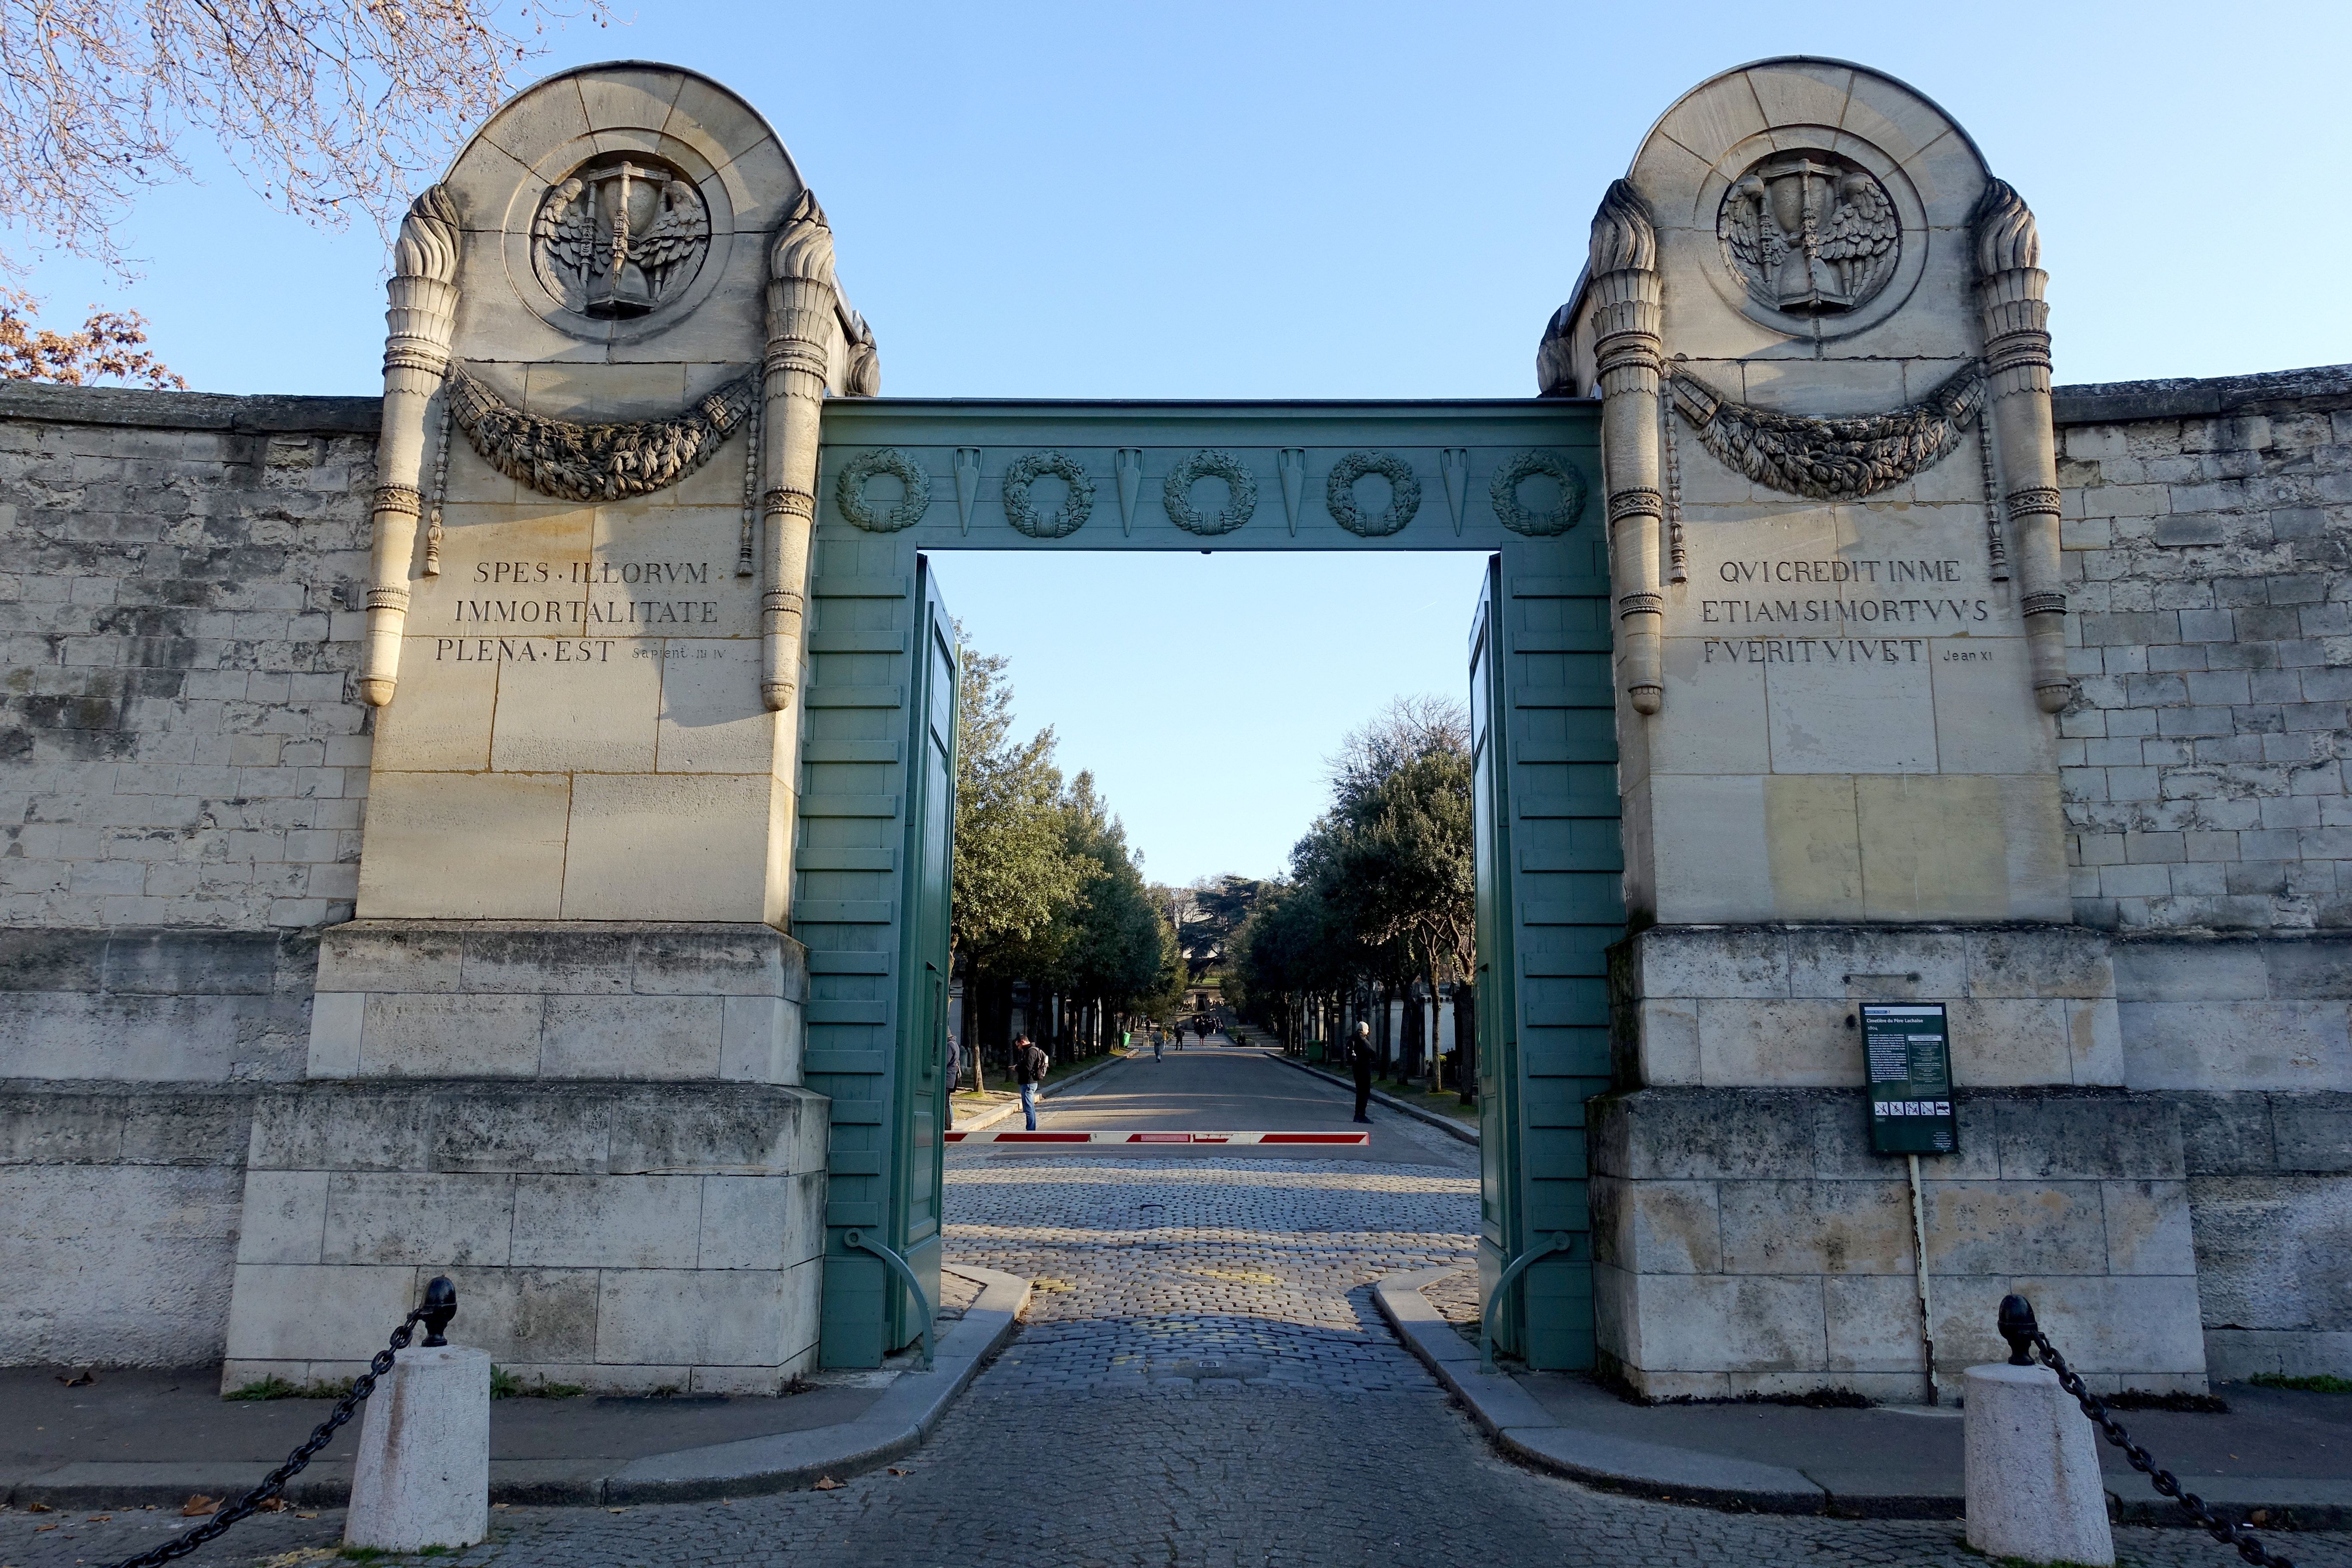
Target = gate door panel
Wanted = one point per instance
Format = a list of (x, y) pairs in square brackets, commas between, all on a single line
[(871, 858), (1551, 900)]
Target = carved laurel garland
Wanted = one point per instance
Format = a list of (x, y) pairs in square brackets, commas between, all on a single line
[(1176, 494), (849, 490), (1075, 507), (595, 462), (1514, 515), (1339, 493), (1832, 459)]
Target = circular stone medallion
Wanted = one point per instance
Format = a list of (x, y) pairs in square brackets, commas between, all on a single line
[(1810, 234), (620, 237)]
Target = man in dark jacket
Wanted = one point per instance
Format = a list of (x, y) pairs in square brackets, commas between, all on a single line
[(1359, 1060), (1029, 1067)]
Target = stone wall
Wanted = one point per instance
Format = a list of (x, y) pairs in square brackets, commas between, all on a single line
[(183, 771), (179, 595), (2208, 529), (1748, 1241), (181, 780)]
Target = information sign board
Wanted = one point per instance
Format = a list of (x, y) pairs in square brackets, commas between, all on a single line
[(1908, 1051)]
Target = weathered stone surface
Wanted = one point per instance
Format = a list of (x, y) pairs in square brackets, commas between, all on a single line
[(573, 1216), (421, 1474), (1712, 1206), (2205, 533), (119, 1219), (2035, 1491)]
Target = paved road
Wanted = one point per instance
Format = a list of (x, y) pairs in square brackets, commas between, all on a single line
[(1228, 1089), (1203, 1382)]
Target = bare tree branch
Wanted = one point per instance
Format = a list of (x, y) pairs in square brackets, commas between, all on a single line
[(326, 107)]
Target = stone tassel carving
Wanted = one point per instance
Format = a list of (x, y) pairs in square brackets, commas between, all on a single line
[(2009, 288), (423, 309), (1627, 346), (804, 337)]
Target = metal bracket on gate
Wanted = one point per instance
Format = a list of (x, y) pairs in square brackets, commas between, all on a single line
[(1519, 1266), (862, 1242)]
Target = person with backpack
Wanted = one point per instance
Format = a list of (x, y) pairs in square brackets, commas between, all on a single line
[(1360, 1061), (1029, 1067)]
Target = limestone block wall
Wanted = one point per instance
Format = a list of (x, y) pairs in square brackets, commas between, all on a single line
[(2274, 1228), (596, 1128), (628, 1238), (179, 599), (182, 776), (2208, 529), (1745, 1238), (119, 1207), (1750, 1241)]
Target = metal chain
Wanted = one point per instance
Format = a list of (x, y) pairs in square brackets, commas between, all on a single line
[(2237, 1535), (271, 1484)]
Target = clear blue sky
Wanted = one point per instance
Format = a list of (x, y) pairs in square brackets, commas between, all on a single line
[(1216, 199)]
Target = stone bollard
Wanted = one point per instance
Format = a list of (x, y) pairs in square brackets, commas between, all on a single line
[(423, 1473), (2035, 1492)]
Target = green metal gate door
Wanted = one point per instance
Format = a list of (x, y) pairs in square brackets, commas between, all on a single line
[(877, 813), (877, 754), (1549, 903)]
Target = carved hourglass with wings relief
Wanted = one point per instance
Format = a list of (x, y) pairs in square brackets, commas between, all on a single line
[(620, 237), (1810, 234)]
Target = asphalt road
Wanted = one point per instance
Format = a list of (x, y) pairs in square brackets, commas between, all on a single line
[(1220, 1088)]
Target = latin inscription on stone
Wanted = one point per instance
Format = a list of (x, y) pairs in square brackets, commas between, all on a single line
[(1875, 612), (522, 593)]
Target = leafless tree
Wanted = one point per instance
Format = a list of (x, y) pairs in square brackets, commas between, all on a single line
[(326, 107), (1409, 728)]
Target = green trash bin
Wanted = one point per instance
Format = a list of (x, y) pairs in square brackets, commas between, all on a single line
[(1314, 1050)]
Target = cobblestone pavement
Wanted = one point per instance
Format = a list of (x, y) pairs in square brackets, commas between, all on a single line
[(1203, 1381)]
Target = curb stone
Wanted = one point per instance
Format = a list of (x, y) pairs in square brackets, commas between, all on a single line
[(1467, 1134), (1523, 1428), (894, 1424)]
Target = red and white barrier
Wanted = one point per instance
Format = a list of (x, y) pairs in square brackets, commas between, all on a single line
[(994, 1137)]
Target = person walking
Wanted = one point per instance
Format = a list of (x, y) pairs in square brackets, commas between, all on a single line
[(1029, 1067), (1158, 1038), (953, 1064), (1201, 1027), (1360, 1061)]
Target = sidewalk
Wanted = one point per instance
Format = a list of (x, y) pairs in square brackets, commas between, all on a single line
[(2287, 1455), (137, 1437)]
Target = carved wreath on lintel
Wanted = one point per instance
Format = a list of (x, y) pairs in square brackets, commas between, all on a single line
[(1075, 507), (1832, 459), (1339, 493), (1176, 492), (849, 489), (595, 462)]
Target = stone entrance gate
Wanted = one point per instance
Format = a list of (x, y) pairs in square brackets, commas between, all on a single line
[(1824, 660)]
